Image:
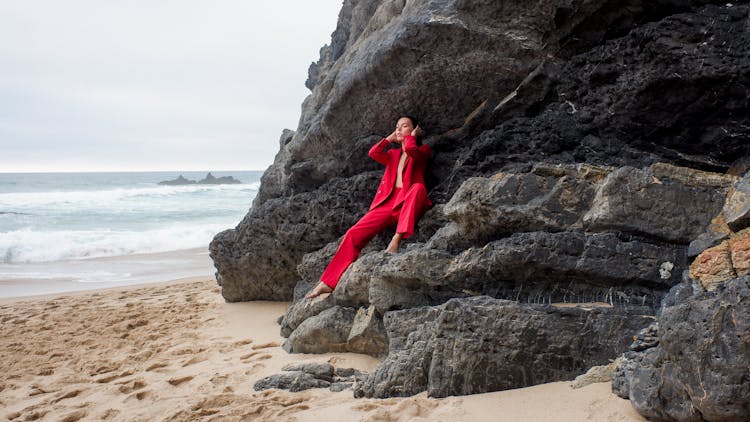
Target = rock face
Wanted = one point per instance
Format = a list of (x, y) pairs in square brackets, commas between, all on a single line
[(737, 207), (698, 371), (693, 364), (483, 344), (600, 100), (581, 151)]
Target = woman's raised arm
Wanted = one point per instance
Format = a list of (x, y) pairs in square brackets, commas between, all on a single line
[(379, 151), (417, 152)]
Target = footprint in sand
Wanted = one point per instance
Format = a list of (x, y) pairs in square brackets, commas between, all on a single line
[(44, 372), (68, 395), (189, 351), (178, 381), (194, 360), (110, 378), (107, 379), (109, 414), (253, 369), (273, 405), (292, 410), (37, 390), (28, 414), (219, 379), (131, 386), (157, 365), (138, 396), (74, 416), (103, 368), (366, 407), (144, 355)]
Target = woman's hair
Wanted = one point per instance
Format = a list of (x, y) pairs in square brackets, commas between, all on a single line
[(413, 119), (415, 123)]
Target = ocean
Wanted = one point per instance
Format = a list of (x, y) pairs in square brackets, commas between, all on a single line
[(75, 231)]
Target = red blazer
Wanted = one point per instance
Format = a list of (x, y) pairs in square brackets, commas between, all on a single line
[(414, 168)]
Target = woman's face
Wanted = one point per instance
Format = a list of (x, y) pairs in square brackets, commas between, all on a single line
[(404, 126)]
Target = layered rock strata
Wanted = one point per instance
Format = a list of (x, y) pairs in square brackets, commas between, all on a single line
[(629, 272), (482, 344)]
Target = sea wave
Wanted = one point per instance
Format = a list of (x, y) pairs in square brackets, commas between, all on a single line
[(40, 199), (27, 245)]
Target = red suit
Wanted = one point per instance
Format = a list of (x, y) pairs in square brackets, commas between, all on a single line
[(391, 205)]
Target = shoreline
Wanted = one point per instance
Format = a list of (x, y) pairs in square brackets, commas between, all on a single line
[(120, 288), (82, 275), (177, 350)]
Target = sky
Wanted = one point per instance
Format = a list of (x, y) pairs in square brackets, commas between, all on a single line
[(106, 85)]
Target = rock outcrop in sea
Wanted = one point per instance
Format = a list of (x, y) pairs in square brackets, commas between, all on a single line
[(210, 179), (584, 154)]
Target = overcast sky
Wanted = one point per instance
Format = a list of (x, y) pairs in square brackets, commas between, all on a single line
[(153, 85)]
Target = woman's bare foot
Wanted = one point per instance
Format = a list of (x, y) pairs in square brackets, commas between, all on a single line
[(395, 242), (319, 290)]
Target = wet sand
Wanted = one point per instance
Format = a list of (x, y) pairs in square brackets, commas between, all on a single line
[(44, 278)]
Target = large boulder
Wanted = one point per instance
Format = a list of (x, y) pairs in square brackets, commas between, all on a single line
[(569, 267), (401, 49), (327, 331), (699, 369), (481, 344), (258, 260), (549, 198), (338, 329), (667, 203)]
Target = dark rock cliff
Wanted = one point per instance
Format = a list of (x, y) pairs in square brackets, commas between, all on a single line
[(580, 147)]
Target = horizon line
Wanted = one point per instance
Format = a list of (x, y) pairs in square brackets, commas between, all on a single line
[(124, 171)]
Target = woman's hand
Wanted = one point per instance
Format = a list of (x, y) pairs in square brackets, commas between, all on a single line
[(392, 137), (417, 132)]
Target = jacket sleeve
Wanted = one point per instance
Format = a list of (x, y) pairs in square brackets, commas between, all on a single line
[(421, 152), (379, 153)]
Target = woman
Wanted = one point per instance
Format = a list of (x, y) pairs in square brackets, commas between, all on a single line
[(401, 199)]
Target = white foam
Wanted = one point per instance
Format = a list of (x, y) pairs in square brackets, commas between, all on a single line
[(27, 245), (78, 276), (31, 200)]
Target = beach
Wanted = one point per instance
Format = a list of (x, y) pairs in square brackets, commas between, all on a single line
[(176, 350)]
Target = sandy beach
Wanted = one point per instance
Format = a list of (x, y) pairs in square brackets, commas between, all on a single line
[(177, 351)]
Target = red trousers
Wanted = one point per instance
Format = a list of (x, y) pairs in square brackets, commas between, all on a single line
[(376, 220)]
